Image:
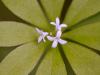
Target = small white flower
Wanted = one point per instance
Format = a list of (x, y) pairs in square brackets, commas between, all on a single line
[(42, 35), (56, 39), (58, 25)]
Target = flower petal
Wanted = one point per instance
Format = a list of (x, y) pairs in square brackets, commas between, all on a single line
[(53, 23), (58, 34), (14, 33), (38, 30), (50, 38), (45, 33), (62, 41), (54, 44), (40, 39), (57, 21), (63, 25)]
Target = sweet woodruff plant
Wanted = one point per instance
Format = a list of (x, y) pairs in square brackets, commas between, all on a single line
[(40, 46)]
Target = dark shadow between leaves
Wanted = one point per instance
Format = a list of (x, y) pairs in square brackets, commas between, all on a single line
[(90, 48), (33, 72), (65, 8), (4, 51), (43, 10), (68, 66), (7, 15), (92, 19)]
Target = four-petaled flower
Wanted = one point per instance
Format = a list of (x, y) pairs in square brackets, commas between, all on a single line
[(42, 35), (56, 39), (58, 25)]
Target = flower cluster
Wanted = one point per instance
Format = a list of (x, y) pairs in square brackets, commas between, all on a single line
[(55, 39)]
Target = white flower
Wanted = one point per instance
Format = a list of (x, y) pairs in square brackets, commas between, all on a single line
[(42, 35), (56, 39), (58, 25)]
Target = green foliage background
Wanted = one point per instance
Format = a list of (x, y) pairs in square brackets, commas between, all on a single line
[(81, 56)]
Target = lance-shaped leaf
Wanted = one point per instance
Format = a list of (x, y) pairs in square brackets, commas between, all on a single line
[(28, 10), (52, 64), (82, 60), (81, 9), (88, 35), (22, 60), (13, 33), (52, 8)]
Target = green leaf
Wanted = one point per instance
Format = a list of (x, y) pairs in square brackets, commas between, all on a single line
[(81, 9), (28, 10), (52, 64), (13, 33), (82, 60), (88, 35), (53, 8), (22, 60)]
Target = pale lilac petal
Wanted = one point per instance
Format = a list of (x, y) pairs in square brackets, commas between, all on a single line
[(58, 34), (57, 21), (45, 33), (38, 30), (50, 38), (62, 41), (63, 25), (40, 39), (53, 23), (59, 28), (54, 45)]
